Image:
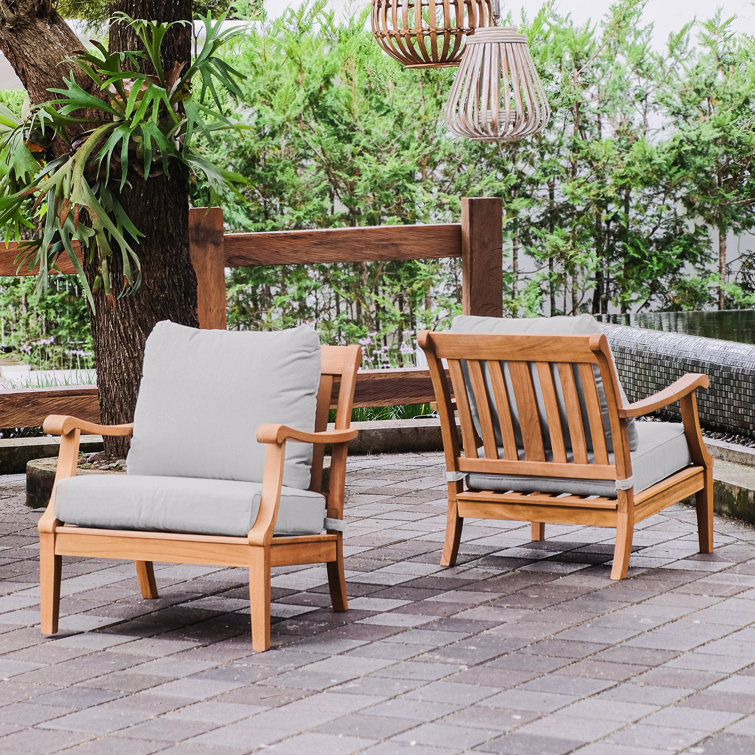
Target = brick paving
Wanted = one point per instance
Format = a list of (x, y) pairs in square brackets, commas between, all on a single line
[(522, 648)]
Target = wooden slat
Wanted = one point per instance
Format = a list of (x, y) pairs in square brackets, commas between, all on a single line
[(516, 348), (483, 409), (526, 404), (595, 417), (593, 517), (29, 407), (187, 549), (538, 499), (550, 400), (369, 244), (573, 413), (9, 266), (538, 468), (462, 404), (500, 396)]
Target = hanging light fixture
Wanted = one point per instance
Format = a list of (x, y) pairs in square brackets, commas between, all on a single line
[(497, 95), (427, 33)]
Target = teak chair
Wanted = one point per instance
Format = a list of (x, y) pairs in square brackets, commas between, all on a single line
[(266, 510), (547, 438)]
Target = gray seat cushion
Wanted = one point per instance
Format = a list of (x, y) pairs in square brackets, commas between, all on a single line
[(562, 326), (181, 504), (662, 451), (204, 393)]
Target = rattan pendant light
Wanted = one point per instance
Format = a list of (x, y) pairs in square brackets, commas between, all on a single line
[(427, 33), (497, 95)]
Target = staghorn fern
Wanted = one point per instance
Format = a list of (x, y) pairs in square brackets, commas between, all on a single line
[(142, 124)]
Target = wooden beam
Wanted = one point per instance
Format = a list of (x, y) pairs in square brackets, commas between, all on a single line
[(29, 407), (393, 387), (369, 244), (9, 266), (481, 255), (208, 257)]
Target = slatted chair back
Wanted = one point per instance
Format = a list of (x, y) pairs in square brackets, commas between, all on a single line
[(547, 410)]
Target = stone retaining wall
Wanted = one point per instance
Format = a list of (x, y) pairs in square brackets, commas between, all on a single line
[(649, 360)]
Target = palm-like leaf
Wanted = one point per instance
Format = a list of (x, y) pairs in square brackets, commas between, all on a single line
[(141, 122)]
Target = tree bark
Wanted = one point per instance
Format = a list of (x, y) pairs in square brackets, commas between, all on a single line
[(35, 39), (159, 207)]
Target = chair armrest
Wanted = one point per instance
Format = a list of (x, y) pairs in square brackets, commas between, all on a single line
[(61, 424), (677, 390), (279, 433)]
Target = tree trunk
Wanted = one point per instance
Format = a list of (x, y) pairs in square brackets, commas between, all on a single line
[(159, 207), (35, 39), (721, 267)]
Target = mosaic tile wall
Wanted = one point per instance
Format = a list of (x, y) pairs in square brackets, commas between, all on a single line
[(649, 360)]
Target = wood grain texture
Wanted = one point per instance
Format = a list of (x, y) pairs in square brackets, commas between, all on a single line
[(481, 256), (9, 266), (208, 257), (29, 407), (549, 362), (258, 551), (366, 244)]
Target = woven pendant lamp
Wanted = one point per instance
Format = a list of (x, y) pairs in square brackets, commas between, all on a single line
[(497, 95), (427, 33)]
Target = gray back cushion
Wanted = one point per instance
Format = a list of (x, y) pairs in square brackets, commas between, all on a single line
[(562, 326), (204, 393)]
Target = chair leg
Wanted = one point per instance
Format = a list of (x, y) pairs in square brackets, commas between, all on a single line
[(145, 573), (337, 580), (704, 506), (454, 524), (624, 533), (259, 597), (49, 584), (537, 530)]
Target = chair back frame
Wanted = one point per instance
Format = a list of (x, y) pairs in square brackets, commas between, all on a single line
[(562, 365), (545, 388)]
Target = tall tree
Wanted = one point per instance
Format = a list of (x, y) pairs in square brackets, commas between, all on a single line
[(38, 42)]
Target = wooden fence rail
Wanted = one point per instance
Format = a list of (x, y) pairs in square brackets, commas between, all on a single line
[(476, 239)]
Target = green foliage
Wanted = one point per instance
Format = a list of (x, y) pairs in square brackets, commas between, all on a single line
[(612, 206), (138, 124), (13, 100), (597, 211), (51, 333)]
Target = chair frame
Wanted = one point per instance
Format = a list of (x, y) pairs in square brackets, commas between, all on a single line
[(259, 550), (558, 353)]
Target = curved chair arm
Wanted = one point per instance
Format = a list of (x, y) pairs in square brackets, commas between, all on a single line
[(70, 428), (675, 392), (279, 433), (63, 424), (276, 436)]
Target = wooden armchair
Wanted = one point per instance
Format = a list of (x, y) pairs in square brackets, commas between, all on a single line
[(547, 437), (199, 488)]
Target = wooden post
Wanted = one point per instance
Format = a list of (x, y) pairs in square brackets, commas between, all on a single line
[(208, 257), (481, 256)]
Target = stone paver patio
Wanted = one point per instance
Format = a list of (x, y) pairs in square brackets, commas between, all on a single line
[(522, 648)]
